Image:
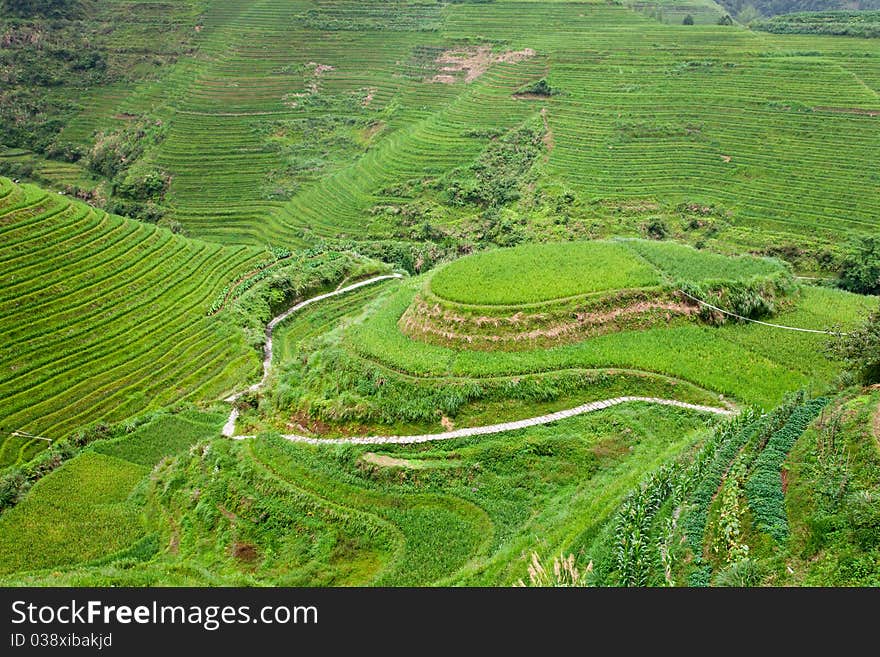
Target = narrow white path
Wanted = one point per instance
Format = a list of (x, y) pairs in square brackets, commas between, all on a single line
[(499, 428), (229, 427)]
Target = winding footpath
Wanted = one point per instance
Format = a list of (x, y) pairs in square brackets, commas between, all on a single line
[(229, 427)]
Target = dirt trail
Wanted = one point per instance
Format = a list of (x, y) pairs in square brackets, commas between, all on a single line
[(877, 424)]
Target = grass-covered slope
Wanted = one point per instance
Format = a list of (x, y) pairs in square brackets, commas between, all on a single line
[(103, 316), (783, 498), (751, 363), (865, 24), (289, 121), (542, 272), (270, 512), (544, 295)]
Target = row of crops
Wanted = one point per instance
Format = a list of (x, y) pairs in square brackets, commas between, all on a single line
[(102, 317), (689, 520)]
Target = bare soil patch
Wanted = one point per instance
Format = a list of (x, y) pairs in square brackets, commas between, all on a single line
[(302, 421), (848, 110), (877, 423), (470, 63), (386, 461), (245, 552), (548, 132)]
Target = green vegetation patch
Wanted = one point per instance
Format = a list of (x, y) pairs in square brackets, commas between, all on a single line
[(542, 272), (164, 436), (78, 514), (864, 24)]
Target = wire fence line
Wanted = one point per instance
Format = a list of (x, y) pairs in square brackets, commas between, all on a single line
[(757, 321)]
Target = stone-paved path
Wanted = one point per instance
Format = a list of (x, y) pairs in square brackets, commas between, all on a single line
[(499, 428), (229, 427)]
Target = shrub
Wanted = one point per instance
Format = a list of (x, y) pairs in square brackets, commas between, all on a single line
[(656, 229), (745, 572), (539, 88), (688, 20), (860, 269), (860, 349)]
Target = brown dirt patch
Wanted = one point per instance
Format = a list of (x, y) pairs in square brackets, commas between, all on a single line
[(371, 93), (444, 79), (174, 542), (125, 116), (848, 110), (877, 423), (548, 132), (726, 158), (372, 130), (423, 320), (320, 69), (447, 424), (784, 481), (470, 63), (229, 515), (304, 423), (610, 448), (386, 461), (245, 552)]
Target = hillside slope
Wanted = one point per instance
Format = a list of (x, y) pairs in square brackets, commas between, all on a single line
[(102, 316)]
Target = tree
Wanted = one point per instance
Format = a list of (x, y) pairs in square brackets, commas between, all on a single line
[(45, 8), (688, 20), (725, 20), (860, 349), (860, 271)]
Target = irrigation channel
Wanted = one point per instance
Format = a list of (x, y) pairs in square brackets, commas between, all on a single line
[(229, 427)]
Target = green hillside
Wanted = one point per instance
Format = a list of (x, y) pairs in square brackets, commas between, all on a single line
[(415, 293), (103, 317), (291, 121)]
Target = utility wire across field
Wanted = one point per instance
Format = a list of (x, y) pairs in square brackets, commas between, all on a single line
[(756, 321)]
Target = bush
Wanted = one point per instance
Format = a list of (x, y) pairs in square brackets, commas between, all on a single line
[(539, 88), (45, 8), (860, 349), (863, 518), (745, 572), (142, 183), (688, 20), (656, 229), (860, 270)]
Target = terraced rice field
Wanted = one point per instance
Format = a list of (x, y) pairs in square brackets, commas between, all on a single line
[(538, 273), (419, 130), (752, 363), (102, 317), (336, 520), (650, 112)]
